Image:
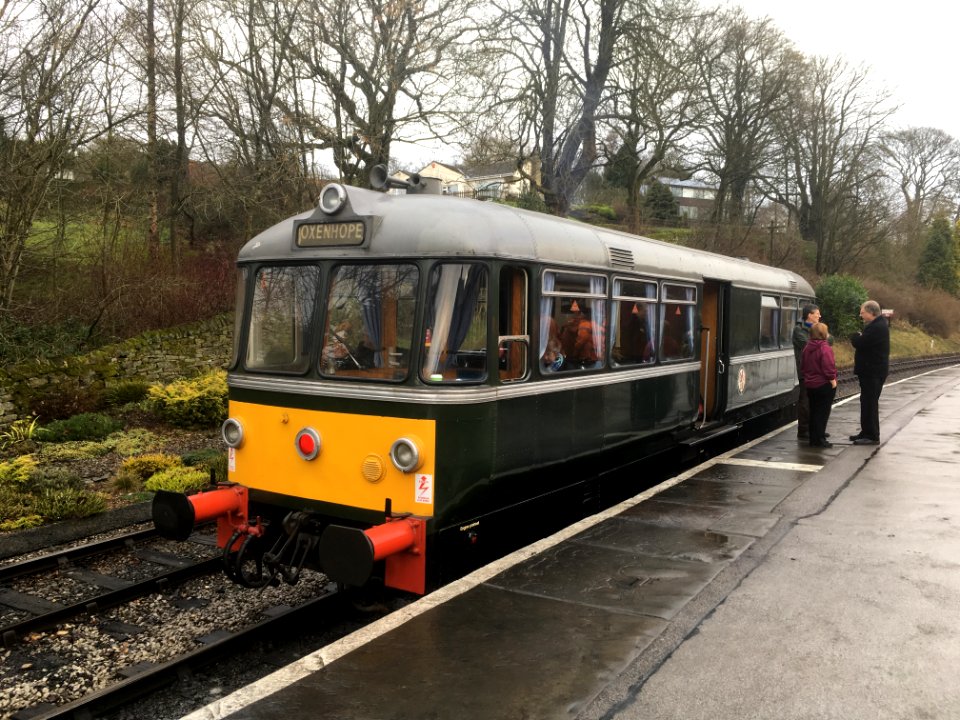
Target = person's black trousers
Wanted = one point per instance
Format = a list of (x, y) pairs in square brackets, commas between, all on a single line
[(821, 401), (870, 388)]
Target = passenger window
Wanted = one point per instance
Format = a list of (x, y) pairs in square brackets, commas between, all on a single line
[(634, 322), (769, 322), (513, 343), (788, 320), (455, 322), (678, 322), (572, 322)]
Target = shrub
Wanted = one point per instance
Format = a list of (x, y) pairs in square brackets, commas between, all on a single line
[(16, 473), (935, 311), (211, 459), (19, 436), (44, 479), (14, 504), (64, 402), (126, 392), (135, 471), (840, 299), (66, 503), (72, 450), (20, 522), (201, 402), (178, 479), (134, 442), (85, 426)]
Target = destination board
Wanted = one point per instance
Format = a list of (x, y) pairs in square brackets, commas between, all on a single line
[(330, 234)]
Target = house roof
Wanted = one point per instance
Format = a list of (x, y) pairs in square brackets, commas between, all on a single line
[(691, 183)]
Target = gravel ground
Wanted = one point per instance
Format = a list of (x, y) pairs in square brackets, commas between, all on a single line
[(63, 664)]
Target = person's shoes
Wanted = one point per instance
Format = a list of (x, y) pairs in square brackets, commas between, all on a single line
[(821, 443), (826, 434), (803, 436), (865, 441), (856, 437)]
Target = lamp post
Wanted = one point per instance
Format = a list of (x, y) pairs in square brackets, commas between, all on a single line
[(772, 227)]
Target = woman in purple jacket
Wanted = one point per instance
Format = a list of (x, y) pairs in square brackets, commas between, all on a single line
[(819, 370)]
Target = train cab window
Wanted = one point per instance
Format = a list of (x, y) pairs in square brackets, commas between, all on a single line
[(241, 304), (513, 342), (678, 321), (789, 315), (281, 319), (769, 322), (634, 320), (572, 322), (369, 322), (455, 324)]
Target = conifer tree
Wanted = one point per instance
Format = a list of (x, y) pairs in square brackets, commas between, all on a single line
[(938, 263), (659, 203)]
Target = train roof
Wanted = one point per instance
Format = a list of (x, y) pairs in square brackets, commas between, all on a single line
[(427, 225)]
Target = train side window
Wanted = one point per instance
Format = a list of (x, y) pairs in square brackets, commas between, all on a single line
[(513, 343), (369, 323), (678, 319), (455, 322), (788, 319), (572, 322), (769, 322), (281, 319), (634, 328)]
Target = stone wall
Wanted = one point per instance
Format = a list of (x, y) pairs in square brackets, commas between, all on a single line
[(155, 357)]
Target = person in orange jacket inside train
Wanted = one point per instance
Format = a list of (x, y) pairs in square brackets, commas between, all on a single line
[(819, 368), (578, 338)]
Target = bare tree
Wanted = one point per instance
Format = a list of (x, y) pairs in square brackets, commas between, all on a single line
[(45, 103), (924, 164), (746, 76), (555, 62), (248, 106), (831, 172), (388, 70), (656, 102)]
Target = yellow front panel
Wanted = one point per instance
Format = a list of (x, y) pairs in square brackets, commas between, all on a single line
[(268, 459)]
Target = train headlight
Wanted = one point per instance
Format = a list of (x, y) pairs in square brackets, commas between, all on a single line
[(333, 198), (308, 443), (405, 454), (232, 432)]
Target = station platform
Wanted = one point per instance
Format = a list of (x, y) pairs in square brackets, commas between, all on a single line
[(776, 581)]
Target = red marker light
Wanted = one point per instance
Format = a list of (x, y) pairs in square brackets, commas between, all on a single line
[(308, 443)]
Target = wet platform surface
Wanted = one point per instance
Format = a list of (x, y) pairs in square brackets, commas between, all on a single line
[(776, 581)]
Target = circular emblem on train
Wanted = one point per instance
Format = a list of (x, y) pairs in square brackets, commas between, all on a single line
[(741, 380)]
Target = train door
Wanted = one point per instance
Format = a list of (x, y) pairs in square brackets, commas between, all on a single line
[(713, 348)]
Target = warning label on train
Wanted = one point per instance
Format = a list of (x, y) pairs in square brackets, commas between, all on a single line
[(424, 489)]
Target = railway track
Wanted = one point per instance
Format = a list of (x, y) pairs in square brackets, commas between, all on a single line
[(147, 678), (25, 609), (95, 627)]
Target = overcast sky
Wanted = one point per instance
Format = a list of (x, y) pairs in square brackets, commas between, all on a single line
[(909, 47)]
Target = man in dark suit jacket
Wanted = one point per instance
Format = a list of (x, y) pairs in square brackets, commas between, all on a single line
[(871, 363)]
